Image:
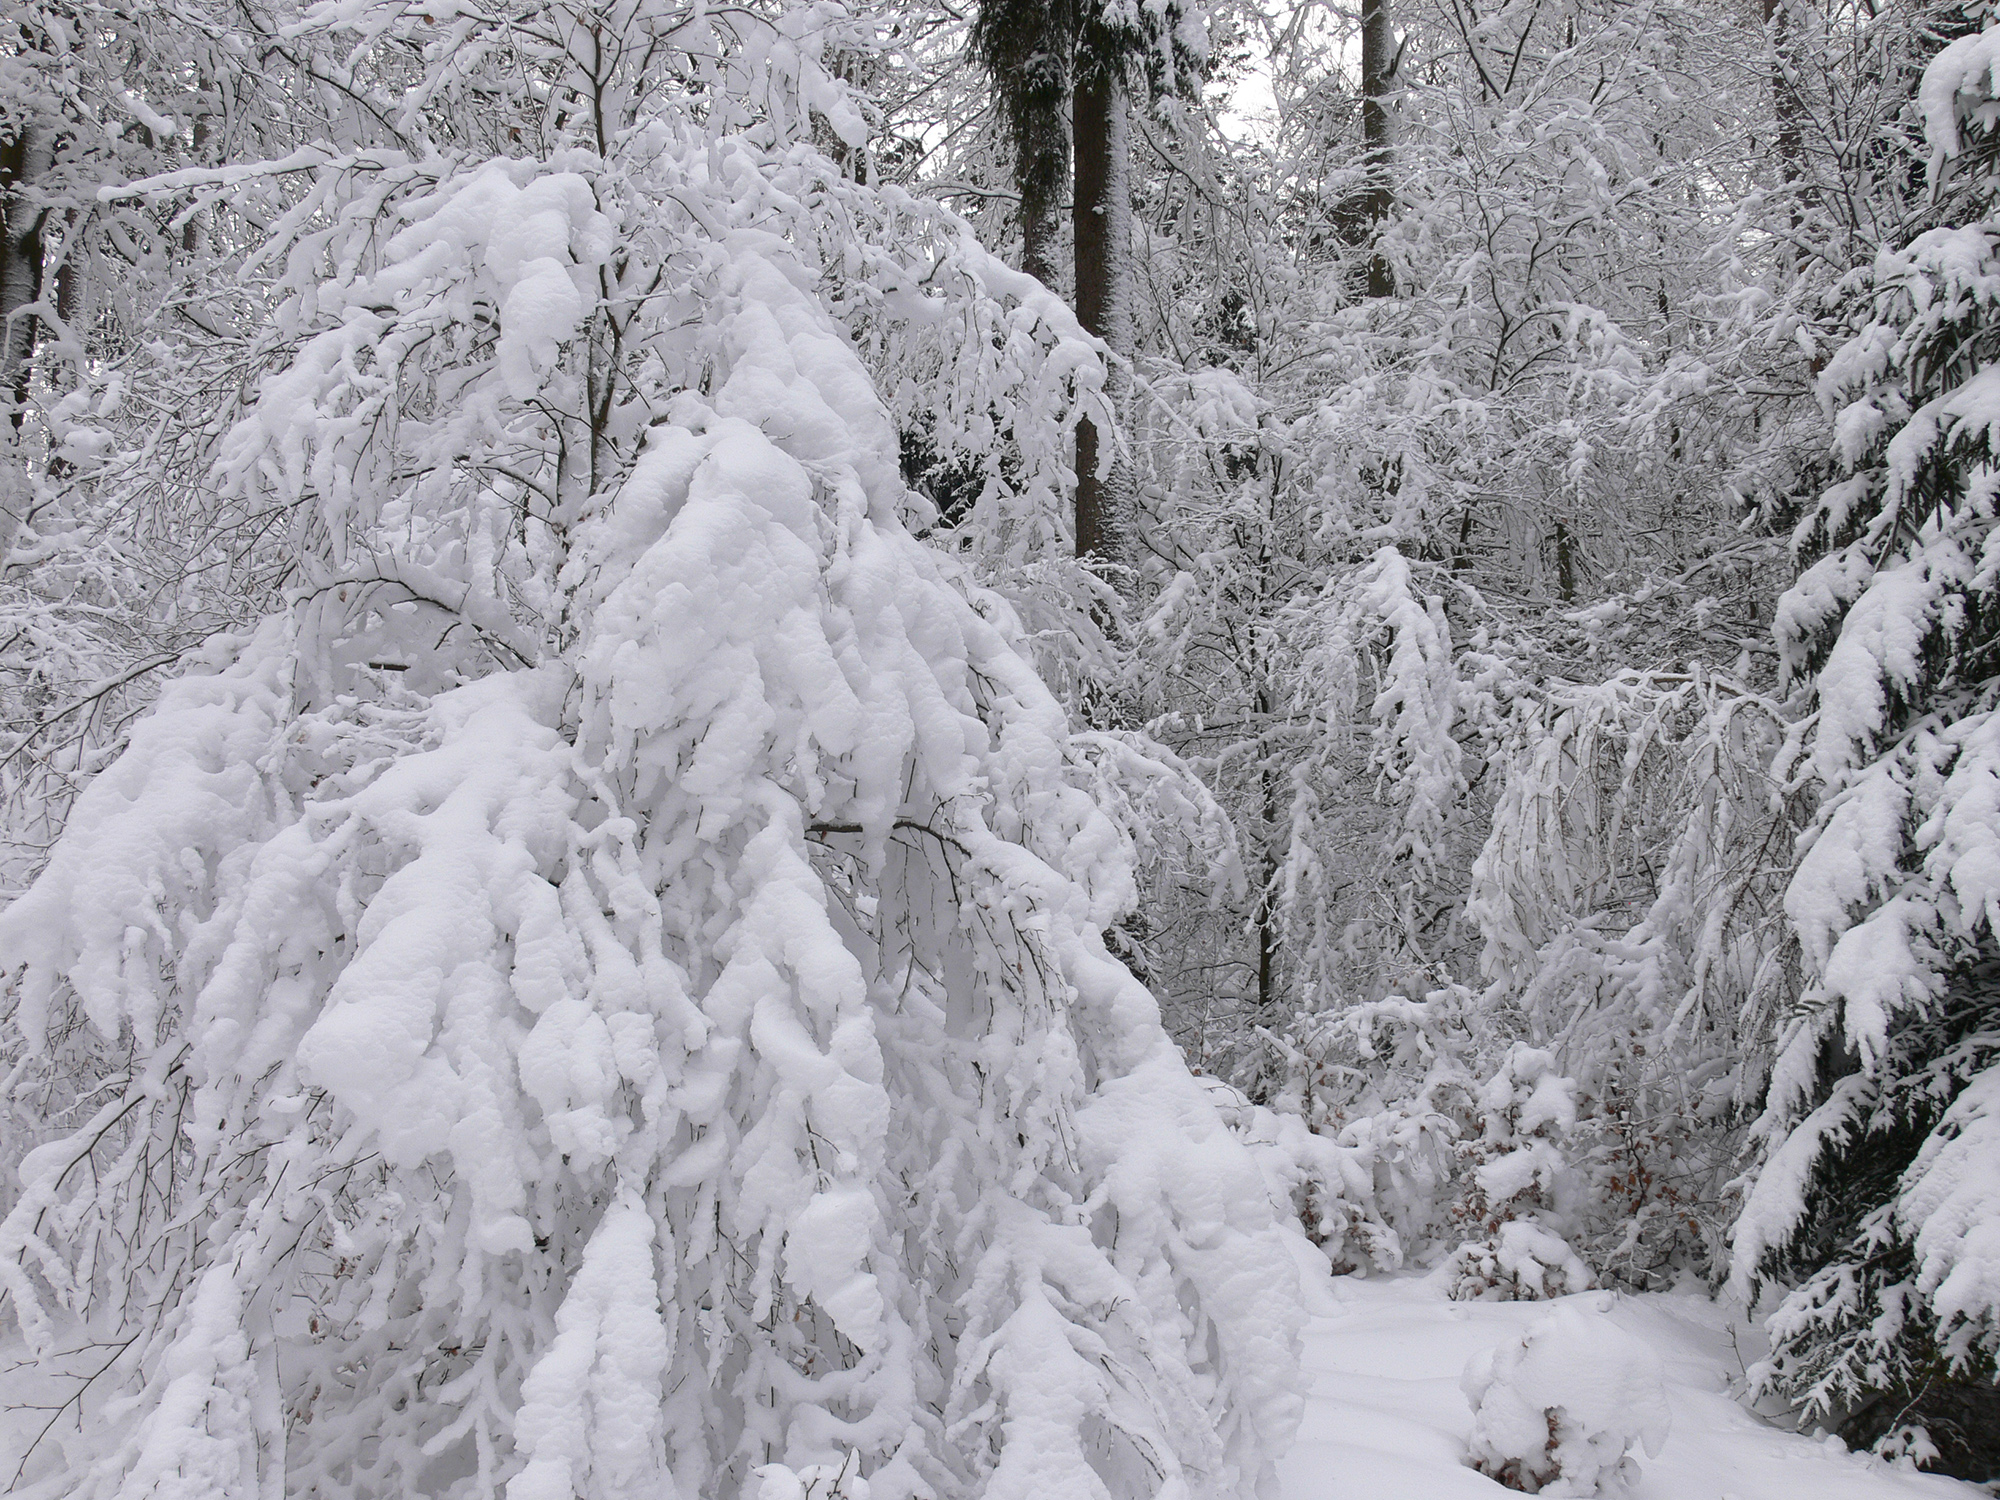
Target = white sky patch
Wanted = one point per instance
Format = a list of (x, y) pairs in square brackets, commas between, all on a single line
[(1250, 111)]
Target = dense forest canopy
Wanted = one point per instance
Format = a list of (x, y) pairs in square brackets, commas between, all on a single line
[(747, 749)]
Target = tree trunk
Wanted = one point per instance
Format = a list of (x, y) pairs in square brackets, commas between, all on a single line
[(1266, 917), (1378, 65), (1041, 231), (1028, 52), (1103, 275), (23, 161), (1041, 166), (1787, 106)]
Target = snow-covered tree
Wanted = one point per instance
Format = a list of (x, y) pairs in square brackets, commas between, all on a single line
[(1534, 422), (90, 97), (1875, 1208), (602, 993), (135, 321), (1455, 611)]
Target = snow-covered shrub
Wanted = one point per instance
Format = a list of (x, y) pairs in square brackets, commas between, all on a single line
[(1441, 1140), (1527, 1106), (1628, 900), (841, 1481), (1387, 1087), (605, 993), (1559, 1410), (1329, 1185), (1448, 1141), (1521, 1260), (1907, 1446), (1948, 1426), (1521, 1189)]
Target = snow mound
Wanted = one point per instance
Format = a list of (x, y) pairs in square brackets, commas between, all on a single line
[(1557, 1410), (1387, 1417), (814, 1482)]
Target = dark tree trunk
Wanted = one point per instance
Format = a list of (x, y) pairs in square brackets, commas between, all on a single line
[(1103, 211), (1041, 169), (1787, 106), (1266, 916), (1041, 234), (1378, 64), (1027, 48), (24, 159)]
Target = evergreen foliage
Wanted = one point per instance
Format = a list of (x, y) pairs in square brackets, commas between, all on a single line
[(1876, 1198)]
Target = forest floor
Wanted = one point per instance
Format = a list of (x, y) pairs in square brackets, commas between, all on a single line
[(1386, 1419)]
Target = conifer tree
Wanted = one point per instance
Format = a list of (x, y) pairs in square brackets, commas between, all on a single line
[(1048, 58), (1876, 1205), (1027, 49), (1162, 53)]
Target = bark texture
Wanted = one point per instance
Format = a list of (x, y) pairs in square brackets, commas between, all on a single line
[(1026, 49), (1378, 68), (25, 159), (1103, 293), (1787, 107)]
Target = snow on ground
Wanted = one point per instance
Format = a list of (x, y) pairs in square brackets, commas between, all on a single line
[(1386, 1419)]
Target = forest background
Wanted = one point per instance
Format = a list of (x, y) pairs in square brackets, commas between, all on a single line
[(1510, 523)]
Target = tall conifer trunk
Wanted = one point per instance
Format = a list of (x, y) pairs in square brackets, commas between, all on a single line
[(1042, 168), (1787, 106), (24, 159), (1103, 278), (1041, 233), (1027, 47), (1378, 62)]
